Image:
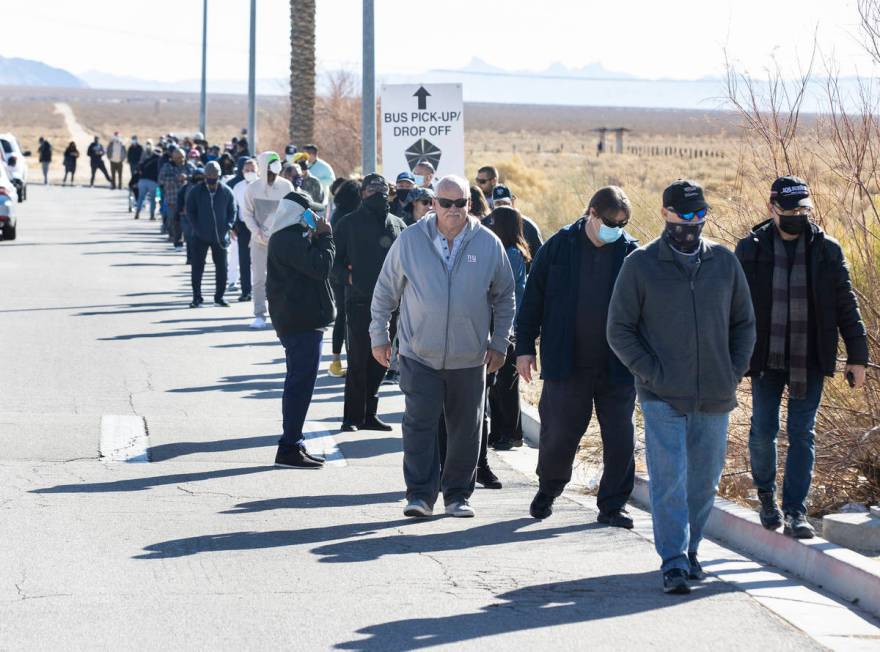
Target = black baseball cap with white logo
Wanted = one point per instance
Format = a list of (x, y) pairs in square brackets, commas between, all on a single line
[(790, 192), (684, 196)]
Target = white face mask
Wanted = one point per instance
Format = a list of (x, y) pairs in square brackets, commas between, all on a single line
[(250, 177), (275, 167)]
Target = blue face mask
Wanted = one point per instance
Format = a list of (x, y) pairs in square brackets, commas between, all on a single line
[(420, 179), (608, 234)]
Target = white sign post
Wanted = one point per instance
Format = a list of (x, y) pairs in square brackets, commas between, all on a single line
[(422, 122)]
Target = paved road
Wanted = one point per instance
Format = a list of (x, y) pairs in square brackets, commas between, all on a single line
[(209, 546)]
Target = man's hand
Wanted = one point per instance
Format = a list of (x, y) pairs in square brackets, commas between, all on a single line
[(233, 235), (524, 366), (858, 375), (382, 353), (322, 226), (494, 360)]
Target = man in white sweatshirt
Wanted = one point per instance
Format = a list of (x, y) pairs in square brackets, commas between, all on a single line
[(260, 201)]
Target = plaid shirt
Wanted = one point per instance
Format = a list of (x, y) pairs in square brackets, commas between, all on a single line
[(169, 179)]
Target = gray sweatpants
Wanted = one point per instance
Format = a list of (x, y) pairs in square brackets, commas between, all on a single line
[(458, 394), (259, 254)]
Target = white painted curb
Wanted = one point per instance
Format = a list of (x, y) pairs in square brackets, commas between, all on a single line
[(845, 573), (123, 438)]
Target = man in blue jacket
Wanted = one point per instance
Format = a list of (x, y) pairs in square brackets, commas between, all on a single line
[(210, 209), (566, 304)]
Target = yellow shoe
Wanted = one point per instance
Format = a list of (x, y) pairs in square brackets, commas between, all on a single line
[(336, 369)]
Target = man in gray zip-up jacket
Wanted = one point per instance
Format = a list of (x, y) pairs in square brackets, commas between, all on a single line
[(451, 278), (681, 321)]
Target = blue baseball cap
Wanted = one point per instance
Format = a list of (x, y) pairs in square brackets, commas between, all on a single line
[(406, 176), (501, 192)]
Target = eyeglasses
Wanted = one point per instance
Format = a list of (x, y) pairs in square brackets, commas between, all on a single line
[(793, 212), (613, 224), (482, 181), (449, 203), (698, 215)]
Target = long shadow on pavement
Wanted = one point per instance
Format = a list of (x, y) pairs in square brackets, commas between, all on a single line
[(165, 452), (533, 607), (317, 502), (142, 484)]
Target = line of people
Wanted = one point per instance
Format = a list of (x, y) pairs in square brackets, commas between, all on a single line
[(676, 323)]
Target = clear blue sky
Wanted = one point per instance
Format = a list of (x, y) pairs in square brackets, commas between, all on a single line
[(160, 39)]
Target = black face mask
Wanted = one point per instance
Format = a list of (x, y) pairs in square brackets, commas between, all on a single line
[(793, 224), (683, 237), (211, 183), (377, 203)]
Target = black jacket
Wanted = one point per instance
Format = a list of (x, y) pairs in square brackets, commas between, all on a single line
[(835, 307), (363, 239), (149, 168), (298, 280), (210, 215), (550, 301), (45, 152), (134, 154)]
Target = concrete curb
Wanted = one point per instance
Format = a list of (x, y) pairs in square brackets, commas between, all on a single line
[(845, 573)]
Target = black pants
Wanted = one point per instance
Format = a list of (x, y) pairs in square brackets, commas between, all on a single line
[(339, 324), (244, 255), (302, 352), (504, 413), (566, 407), (99, 165), (364, 374), (116, 171), (199, 254)]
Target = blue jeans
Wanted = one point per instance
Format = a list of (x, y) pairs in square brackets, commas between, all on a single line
[(303, 354), (766, 398), (147, 187), (685, 460)]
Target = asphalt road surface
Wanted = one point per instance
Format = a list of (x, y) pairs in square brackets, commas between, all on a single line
[(208, 546)]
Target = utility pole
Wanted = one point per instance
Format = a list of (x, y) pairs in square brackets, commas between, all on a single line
[(203, 99), (252, 83), (368, 93)]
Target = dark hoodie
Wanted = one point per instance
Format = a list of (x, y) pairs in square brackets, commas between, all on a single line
[(363, 239), (833, 305)]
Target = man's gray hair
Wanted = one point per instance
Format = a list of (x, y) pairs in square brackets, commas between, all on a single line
[(454, 181)]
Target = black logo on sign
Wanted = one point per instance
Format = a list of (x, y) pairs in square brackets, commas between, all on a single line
[(423, 150)]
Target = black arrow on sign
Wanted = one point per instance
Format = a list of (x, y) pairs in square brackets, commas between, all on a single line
[(423, 95)]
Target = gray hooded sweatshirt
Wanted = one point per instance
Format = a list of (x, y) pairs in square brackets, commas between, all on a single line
[(445, 315)]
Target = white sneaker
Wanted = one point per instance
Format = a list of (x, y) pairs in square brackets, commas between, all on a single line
[(461, 509), (258, 322), (417, 508)]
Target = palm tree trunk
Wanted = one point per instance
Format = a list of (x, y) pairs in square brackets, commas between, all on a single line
[(301, 127)]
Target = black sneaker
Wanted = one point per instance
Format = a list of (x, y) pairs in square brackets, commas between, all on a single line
[(542, 506), (195, 303), (317, 458), (348, 427), (797, 526), (503, 444), (696, 570), (295, 458), (488, 479), (771, 517), (375, 423), (221, 302), (616, 518), (244, 297), (676, 581)]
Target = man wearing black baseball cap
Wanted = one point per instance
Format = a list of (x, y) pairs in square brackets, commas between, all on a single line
[(681, 321), (801, 291), (363, 238)]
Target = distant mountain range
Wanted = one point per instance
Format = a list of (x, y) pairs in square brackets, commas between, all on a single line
[(25, 72), (590, 85)]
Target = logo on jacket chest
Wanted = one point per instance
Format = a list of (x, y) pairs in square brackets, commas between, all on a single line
[(471, 258)]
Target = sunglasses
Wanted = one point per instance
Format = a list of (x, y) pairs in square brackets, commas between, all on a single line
[(482, 181), (612, 224), (698, 215), (449, 203)]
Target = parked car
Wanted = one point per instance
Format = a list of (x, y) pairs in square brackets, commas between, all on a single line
[(15, 160), (8, 222)]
